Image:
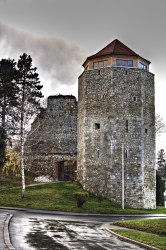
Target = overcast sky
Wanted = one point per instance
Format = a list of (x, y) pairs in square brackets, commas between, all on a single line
[(60, 34)]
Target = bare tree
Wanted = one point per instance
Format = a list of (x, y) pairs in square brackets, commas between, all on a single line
[(160, 125)]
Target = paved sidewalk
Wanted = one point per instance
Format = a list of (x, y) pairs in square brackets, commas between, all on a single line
[(3, 230)]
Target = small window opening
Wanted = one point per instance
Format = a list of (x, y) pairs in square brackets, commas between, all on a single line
[(126, 153), (134, 98), (97, 125), (127, 126), (126, 72), (146, 130), (98, 153)]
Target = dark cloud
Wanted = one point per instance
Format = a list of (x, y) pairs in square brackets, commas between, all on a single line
[(58, 62)]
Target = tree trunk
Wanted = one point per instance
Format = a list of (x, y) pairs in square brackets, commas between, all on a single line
[(22, 146), (22, 168)]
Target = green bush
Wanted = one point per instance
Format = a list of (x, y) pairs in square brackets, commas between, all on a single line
[(81, 198), (160, 188)]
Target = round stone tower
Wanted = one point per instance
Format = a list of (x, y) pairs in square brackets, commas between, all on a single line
[(116, 127)]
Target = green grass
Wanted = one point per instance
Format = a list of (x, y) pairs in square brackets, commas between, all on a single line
[(148, 231), (13, 181), (156, 226), (146, 238), (59, 196)]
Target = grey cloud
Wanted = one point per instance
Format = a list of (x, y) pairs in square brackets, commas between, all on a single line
[(3, 1), (58, 62)]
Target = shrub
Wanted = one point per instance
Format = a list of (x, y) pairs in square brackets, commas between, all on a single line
[(81, 198), (12, 163)]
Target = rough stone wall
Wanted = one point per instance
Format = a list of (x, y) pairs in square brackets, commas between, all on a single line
[(115, 111), (53, 138)]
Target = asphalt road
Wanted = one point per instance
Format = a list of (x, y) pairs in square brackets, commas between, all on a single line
[(30, 230)]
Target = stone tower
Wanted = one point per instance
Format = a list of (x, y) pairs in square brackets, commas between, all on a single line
[(116, 127)]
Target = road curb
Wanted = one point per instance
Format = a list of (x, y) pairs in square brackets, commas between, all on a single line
[(56, 212), (6, 233), (124, 238)]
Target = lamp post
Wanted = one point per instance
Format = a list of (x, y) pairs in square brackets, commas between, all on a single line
[(122, 175)]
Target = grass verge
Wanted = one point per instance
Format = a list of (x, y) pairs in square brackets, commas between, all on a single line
[(148, 231), (156, 226), (143, 237), (14, 181), (59, 196)]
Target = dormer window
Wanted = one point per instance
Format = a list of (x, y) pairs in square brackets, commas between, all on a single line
[(100, 64), (143, 66), (124, 63)]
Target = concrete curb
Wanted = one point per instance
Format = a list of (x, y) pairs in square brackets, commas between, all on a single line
[(6, 233), (124, 238), (55, 212)]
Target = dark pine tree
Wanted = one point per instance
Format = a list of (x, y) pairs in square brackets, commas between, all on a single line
[(8, 94), (2, 146), (29, 101), (8, 102), (161, 162), (161, 176)]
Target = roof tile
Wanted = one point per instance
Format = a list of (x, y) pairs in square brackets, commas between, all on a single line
[(115, 48)]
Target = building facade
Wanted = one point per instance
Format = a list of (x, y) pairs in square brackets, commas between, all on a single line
[(51, 146), (116, 127)]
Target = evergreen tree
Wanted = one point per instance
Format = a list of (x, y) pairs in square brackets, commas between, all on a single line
[(2, 145), (29, 101), (8, 94), (160, 188), (161, 162), (161, 175)]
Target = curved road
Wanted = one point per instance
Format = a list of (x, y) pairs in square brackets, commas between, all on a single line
[(32, 229)]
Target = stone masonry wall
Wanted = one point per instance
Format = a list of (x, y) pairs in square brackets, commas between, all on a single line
[(115, 111), (53, 138)]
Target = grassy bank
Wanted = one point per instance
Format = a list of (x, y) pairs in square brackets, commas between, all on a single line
[(14, 181), (148, 231), (59, 196)]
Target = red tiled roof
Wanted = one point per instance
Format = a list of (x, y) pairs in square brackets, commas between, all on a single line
[(115, 48)]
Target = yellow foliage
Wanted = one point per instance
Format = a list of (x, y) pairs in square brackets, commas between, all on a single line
[(12, 163)]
